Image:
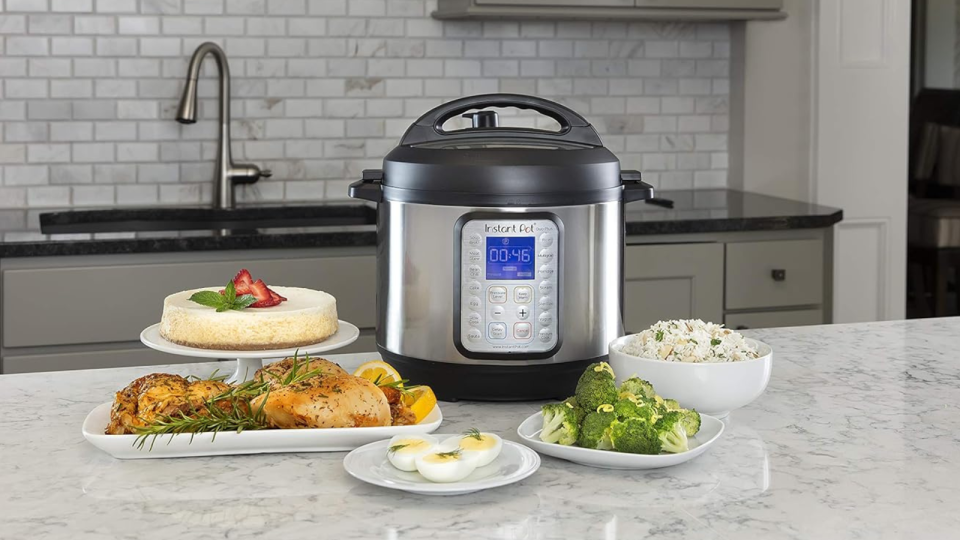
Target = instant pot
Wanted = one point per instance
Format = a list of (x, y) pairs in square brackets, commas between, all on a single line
[(499, 251)]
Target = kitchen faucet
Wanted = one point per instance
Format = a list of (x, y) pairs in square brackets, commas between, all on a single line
[(228, 173)]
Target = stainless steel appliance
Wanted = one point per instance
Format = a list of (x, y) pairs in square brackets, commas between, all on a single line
[(500, 251)]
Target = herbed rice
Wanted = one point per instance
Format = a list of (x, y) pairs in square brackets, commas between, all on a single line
[(689, 341)]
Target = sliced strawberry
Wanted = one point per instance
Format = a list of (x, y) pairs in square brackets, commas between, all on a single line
[(243, 278), (265, 303), (275, 295)]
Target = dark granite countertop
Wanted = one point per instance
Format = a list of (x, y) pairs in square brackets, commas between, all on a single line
[(695, 211)]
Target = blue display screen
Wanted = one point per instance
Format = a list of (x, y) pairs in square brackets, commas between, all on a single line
[(510, 257)]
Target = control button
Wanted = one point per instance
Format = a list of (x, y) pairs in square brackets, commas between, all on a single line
[(474, 302), (473, 287), (497, 312), (474, 335), (545, 255), (523, 312), (474, 318), (546, 271), (474, 271), (545, 335), (546, 287), (498, 330), (546, 239), (545, 318), (474, 255), (497, 295), (545, 302), (523, 294), (522, 330), (474, 240)]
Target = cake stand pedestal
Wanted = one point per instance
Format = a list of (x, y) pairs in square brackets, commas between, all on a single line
[(248, 362)]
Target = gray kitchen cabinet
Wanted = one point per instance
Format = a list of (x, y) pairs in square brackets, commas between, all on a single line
[(88, 311), (674, 281), (610, 9), (743, 279)]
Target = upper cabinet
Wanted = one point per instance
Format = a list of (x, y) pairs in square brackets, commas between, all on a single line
[(701, 10)]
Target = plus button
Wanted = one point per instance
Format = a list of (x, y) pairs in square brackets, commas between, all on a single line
[(523, 312)]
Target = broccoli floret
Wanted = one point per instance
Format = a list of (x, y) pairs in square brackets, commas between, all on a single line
[(595, 431), (596, 387), (560, 424), (572, 403), (638, 387), (634, 407), (635, 436), (671, 404), (690, 421), (672, 434)]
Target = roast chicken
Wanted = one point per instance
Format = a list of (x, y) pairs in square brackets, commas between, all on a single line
[(331, 399), (325, 401), (159, 395)]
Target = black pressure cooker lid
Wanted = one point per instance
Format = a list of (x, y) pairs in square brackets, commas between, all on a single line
[(488, 165)]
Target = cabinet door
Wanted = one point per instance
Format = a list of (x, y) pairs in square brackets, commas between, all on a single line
[(774, 274), (673, 281)]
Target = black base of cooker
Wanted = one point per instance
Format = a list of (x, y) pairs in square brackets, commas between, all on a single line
[(454, 382)]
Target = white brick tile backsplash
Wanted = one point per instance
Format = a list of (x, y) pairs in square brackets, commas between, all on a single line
[(322, 89)]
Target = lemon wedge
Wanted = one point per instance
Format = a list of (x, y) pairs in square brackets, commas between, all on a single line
[(420, 400), (378, 372)]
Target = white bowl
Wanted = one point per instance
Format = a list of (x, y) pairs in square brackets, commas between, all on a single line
[(710, 388)]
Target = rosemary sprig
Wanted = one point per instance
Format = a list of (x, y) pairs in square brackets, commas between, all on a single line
[(473, 432), (212, 377), (396, 385)]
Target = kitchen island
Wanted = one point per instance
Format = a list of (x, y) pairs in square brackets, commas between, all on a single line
[(856, 437)]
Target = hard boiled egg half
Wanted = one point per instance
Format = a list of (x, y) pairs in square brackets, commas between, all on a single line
[(481, 447), (445, 464), (404, 450)]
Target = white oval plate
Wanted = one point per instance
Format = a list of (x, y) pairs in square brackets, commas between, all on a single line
[(529, 431), (370, 464), (346, 334), (267, 441)]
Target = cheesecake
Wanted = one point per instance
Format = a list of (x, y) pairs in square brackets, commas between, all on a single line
[(303, 317)]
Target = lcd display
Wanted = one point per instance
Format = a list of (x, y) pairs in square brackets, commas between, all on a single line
[(510, 257)]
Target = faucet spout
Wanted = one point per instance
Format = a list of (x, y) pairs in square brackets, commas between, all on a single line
[(227, 174)]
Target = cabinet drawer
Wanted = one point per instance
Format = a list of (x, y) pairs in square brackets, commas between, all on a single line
[(774, 274), (103, 304), (773, 319)]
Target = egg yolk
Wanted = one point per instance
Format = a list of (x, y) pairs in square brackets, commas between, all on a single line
[(411, 445), (438, 458), (471, 443)]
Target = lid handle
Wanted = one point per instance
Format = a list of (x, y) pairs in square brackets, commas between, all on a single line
[(429, 127)]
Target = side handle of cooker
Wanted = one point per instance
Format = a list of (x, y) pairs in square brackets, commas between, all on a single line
[(368, 188), (633, 188)]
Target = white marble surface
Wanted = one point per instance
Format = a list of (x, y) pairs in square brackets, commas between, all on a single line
[(856, 437)]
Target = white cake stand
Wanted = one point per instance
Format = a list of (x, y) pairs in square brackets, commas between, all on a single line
[(248, 362)]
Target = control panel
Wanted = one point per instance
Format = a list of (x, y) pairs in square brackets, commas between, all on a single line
[(509, 285)]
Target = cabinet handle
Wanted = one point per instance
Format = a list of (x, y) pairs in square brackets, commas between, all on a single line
[(742, 327), (778, 274)]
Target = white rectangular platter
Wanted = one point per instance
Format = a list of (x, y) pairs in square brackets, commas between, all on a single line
[(248, 442)]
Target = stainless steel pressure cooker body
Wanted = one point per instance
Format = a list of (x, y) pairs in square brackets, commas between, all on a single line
[(499, 251)]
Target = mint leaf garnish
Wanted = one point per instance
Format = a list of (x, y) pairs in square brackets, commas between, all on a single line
[(228, 300)]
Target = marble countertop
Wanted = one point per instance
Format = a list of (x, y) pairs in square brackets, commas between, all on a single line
[(857, 436), (694, 211)]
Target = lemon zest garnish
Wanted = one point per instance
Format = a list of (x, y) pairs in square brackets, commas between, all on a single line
[(568, 404), (606, 407)]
